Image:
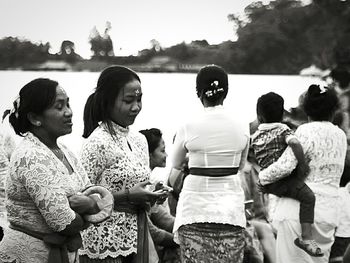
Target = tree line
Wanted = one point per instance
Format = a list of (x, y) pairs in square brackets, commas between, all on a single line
[(281, 37)]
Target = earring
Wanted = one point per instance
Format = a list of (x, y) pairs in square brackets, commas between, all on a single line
[(38, 123)]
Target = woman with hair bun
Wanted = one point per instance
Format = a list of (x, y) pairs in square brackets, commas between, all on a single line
[(210, 216), (46, 208), (324, 146)]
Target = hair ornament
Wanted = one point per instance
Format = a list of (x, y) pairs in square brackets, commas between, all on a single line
[(214, 89), (323, 89), (214, 84)]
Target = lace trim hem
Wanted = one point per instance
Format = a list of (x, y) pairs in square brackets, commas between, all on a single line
[(107, 253)]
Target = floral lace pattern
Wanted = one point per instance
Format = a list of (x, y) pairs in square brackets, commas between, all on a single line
[(7, 145), (4, 162), (37, 188), (25, 248), (211, 243), (324, 146), (115, 162)]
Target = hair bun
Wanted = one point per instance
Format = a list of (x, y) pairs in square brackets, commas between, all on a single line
[(212, 77), (314, 90)]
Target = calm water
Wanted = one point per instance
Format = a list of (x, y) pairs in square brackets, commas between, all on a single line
[(168, 100)]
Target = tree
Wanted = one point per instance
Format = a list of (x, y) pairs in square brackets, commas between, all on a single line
[(67, 52), (155, 45), (15, 52), (285, 36), (101, 46)]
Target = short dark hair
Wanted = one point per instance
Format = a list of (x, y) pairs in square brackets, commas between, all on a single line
[(99, 104), (320, 104), (153, 137), (342, 75), (34, 97), (212, 83), (271, 107)]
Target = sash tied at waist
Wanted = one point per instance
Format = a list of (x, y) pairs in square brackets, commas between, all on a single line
[(59, 244)]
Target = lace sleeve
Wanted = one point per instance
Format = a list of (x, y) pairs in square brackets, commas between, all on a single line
[(44, 185), (92, 159), (279, 169)]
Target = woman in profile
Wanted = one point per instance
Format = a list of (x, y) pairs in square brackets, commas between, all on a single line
[(161, 221), (45, 210), (210, 216), (116, 157)]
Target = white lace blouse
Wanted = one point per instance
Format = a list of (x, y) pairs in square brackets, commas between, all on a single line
[(324, 145), (116, 163), (38, 185)]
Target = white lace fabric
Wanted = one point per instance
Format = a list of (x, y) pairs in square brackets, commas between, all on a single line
[(38, 185), (324, 147), (7, 145), (115, 162)]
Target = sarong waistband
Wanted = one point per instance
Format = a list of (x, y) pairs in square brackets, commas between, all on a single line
[(58, 243), (213, 172)]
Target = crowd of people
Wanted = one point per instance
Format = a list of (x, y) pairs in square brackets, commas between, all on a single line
[(278, 192)]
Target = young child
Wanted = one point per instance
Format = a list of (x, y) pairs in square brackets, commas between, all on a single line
[(269, 142)]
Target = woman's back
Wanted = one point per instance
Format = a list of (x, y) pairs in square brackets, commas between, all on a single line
[(214, 139), (324, 145)]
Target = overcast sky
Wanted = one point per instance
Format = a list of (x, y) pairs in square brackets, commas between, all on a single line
[(134, 22)]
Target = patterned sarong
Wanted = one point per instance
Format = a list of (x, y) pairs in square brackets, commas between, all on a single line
[(209, 242)]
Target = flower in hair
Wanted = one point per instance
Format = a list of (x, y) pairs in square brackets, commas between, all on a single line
[(323, 89), (210, 93), (214, 84)]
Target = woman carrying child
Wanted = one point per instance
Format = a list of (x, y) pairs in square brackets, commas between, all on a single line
[(324, 146)]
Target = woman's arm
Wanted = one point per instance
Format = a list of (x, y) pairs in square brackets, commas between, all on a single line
[(93, 159), (179, 150), (74, 227), (279, 169), (83, 204), (43, 183), (138, 194), (244, 156)]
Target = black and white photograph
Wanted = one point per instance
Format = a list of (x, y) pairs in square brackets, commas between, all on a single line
[(175, 131)]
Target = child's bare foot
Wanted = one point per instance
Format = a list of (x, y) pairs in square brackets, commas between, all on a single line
[(309, 246)]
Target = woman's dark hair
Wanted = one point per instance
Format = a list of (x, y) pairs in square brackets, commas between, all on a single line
[(342, 75), (99, 104), (320, 103), (212, 83), (153, 137), (35, 97), (271, 107)]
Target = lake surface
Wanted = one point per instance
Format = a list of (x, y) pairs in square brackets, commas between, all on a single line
[(169, 99)]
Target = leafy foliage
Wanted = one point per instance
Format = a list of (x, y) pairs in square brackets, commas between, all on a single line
[(101, 45), (15, 52), (285, 36)]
